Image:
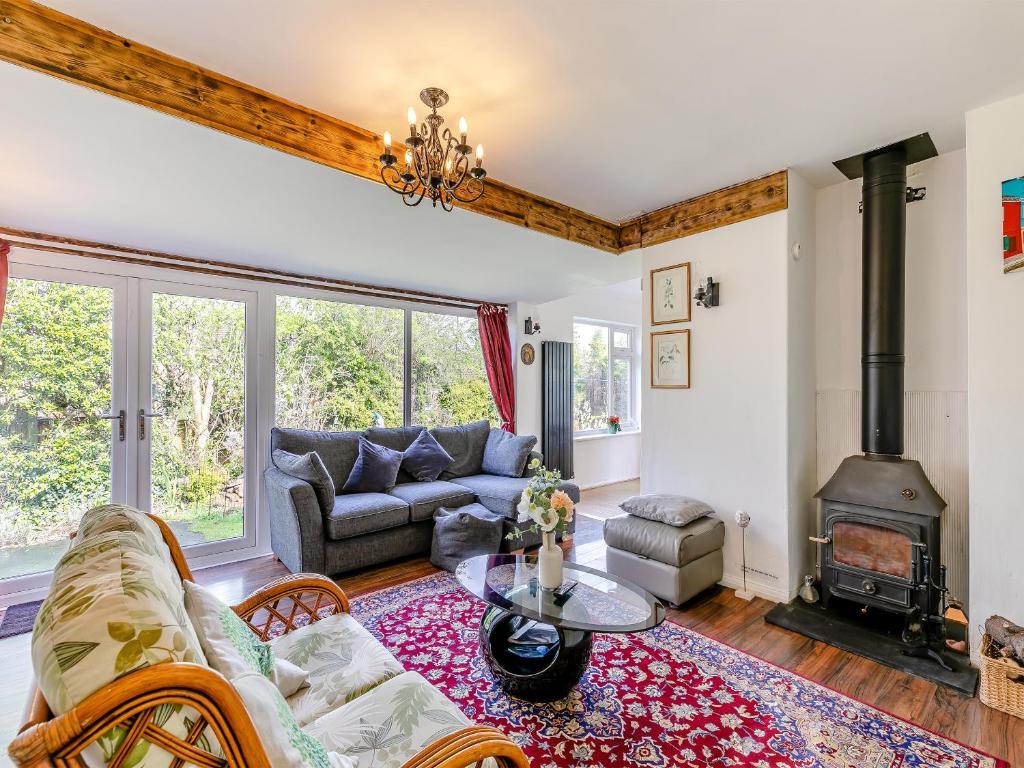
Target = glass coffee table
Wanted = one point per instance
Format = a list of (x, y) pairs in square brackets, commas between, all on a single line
[(536, 642)]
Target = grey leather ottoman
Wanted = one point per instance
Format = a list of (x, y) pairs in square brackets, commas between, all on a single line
[(673, 563)]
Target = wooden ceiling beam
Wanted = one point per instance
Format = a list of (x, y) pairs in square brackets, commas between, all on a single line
[(45, 40), (748, 200)]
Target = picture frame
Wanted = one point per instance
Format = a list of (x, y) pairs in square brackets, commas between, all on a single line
[(670, 359), (1013, 224), (670, 294)]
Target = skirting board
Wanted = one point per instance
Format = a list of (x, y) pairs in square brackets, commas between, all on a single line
[(603, 483), (768, 592)]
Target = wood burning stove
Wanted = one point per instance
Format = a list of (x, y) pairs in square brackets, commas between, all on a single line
[(880, 516)]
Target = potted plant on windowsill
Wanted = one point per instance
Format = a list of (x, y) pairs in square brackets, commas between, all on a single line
[(614, 424), (551, 511)]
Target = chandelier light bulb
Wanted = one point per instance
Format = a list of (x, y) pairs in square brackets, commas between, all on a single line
[(408, 157), (387, 142), (411, 114), (479, 154), (463, 128)]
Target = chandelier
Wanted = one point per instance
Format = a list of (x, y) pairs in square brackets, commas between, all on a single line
[(437, 164)]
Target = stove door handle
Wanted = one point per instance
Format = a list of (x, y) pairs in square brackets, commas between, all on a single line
[(820, 539)]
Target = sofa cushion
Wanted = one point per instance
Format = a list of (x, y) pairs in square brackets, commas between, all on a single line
[(114, 606), (665, 543), (424, 498), (354, 514), (286, 744), (404, 715), (375, 470), (666, 508), (465, 444), (229, 645), (424, 459), (337, 450), (395, 438), (343, 661), (309, 467), (506, 454), (501, 495), (107, 518)]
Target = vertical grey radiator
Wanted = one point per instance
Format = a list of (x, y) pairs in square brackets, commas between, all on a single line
[(556, 406)]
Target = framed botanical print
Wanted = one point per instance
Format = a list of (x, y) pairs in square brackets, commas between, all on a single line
[(670, 359), (670, 294)]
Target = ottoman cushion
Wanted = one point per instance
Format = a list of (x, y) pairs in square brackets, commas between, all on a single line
[(463, 533), (668, 544)]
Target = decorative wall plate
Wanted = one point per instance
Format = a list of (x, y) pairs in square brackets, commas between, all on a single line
[(528, 354)]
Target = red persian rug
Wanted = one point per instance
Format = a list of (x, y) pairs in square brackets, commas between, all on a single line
[(665, 697)]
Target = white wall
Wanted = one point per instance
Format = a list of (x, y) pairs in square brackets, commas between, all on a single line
[(598, 460), (724, 440), (936, 296), (801, 261), (936, 339), (995, 358)]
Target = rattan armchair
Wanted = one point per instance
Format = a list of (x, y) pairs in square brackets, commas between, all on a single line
[(133, 701)]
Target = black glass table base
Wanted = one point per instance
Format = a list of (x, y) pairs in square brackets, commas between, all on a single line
[(531, 660)]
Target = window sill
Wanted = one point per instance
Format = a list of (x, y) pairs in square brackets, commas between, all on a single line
[(606, 435)]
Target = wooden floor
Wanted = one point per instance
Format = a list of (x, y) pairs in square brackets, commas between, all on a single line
[(718, 614)]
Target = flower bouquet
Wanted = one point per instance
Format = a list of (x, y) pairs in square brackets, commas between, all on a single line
[(551, 511), (614, 424)]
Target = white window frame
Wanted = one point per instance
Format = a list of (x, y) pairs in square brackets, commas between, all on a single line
[(631, 424)]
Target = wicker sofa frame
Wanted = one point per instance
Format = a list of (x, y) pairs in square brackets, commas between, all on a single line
[(131, 701)]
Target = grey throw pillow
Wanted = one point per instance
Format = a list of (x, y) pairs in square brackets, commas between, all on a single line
[(465, 444), (463, 533), (666, 508), (309, 467), (506, 454)]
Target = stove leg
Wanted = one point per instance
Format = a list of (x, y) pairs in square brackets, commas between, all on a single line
[(927, 652)]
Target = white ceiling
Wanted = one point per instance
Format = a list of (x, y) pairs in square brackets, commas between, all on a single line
[(616, 107), (81, 164)]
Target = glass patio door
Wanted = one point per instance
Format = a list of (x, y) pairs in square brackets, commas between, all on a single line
[(63, 413), (196, 413)]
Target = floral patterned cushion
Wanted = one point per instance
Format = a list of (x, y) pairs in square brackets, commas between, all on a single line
[(286, 744), (109, 518), (343, 661), (115, 606), (387, 726), (230, 646)]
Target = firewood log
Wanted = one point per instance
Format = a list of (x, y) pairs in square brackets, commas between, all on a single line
[(1008, 636)]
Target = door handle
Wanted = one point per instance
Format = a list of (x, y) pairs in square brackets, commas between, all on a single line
[(119, 416), (142, 421)]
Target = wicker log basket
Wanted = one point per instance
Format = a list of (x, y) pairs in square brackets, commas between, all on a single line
[(1002, 681)]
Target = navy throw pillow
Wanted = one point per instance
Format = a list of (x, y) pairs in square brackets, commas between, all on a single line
[(506, 454), (425, 459), (375, 470)]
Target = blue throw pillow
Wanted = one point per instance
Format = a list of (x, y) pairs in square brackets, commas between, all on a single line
[(506, 454), (375, 470), (425, 459)]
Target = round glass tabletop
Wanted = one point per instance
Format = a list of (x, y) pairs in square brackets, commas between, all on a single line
[(600, 602)]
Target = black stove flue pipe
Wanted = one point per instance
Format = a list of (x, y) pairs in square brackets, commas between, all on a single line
[(884, 286), (883, 320)]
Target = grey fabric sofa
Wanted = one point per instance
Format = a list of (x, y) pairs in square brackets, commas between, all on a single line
[(364, 529)]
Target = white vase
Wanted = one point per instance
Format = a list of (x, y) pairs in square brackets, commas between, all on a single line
[(549, 562)]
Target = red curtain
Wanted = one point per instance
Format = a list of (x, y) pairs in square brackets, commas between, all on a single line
[(5, 248), (497, 347)]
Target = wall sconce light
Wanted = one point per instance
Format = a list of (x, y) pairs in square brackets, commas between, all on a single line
[(706, 295), (531, 327)]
